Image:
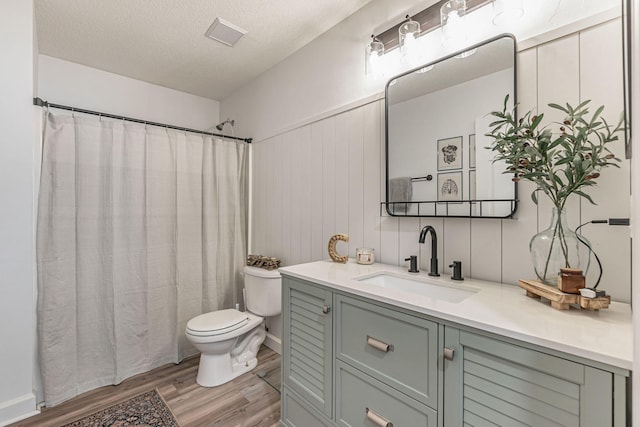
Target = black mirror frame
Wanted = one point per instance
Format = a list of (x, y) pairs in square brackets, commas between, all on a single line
[(386, 203)]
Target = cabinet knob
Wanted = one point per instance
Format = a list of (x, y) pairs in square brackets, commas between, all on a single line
[(448, 353), (377, 419), (326, 309)]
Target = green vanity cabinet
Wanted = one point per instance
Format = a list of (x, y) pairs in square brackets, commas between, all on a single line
[(489, 381), (307, 356), (350, 361)]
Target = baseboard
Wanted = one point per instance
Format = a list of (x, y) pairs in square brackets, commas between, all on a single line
[(273, 343), (18, 409)]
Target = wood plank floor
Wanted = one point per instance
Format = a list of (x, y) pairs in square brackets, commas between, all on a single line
[(247, 401)]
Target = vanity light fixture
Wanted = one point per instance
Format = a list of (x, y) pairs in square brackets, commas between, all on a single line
[(404, 35), (454, 33), (506, 11), (375, 50), (408, 34)]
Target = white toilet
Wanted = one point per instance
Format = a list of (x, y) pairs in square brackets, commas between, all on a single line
[(229, 340)]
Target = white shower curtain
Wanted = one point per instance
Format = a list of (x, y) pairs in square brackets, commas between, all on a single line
[(140, 228)]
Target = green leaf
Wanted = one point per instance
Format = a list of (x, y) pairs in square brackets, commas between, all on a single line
[(577, 164), (558, 107), (585, 195), (536, 121), (582, 105)]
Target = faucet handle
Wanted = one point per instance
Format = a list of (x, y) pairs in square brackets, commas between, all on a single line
[(413, 264), (457, 270)]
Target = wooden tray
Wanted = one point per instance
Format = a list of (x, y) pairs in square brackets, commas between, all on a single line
[(560, 300)]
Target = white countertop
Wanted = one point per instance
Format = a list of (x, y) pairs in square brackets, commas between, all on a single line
[(604, 336)]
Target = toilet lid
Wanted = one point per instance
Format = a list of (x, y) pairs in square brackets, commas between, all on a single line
[(217, 322)]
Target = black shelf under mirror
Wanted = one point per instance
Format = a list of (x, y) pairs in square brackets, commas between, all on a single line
[(492, 208)]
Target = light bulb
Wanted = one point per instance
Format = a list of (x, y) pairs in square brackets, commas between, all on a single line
[(375, 50), (407, 35), (454, 32)]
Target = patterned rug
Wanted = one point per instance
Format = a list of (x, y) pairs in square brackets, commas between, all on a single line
[(144, 410)]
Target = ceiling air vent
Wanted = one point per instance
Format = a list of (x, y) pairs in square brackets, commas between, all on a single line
[(225, 32)]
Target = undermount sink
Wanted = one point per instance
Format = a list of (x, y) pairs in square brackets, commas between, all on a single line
[(450, 293)]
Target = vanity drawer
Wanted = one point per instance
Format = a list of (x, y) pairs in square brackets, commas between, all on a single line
[(362, 401), (394, 347)]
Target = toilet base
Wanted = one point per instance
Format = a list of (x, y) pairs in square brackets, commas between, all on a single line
[(218, 369)]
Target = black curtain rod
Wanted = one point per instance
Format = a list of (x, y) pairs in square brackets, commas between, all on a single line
[(41, 103)]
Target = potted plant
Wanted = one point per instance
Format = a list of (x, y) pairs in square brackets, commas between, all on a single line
[(561, 159)]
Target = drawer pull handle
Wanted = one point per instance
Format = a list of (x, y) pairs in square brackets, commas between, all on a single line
[(326, 309), (379, 345), (448, 353), (377, 419)]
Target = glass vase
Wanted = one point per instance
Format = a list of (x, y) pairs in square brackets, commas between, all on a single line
[(558, 247)]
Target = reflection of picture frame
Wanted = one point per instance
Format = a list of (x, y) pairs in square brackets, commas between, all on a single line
[(450, 186), (472, 150), (472, 185), (450, 153)]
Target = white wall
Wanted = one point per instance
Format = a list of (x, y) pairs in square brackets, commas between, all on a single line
[(17, 322), (75, 85)]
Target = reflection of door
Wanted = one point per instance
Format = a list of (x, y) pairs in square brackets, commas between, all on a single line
[(492, 183)]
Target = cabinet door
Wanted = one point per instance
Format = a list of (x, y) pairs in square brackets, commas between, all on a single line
[(493, 382), (307, 342)]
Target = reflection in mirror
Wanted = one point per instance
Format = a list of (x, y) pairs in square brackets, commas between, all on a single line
[(436, 118)]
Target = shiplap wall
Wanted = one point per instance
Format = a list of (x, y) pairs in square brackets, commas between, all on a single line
[(327, 177)]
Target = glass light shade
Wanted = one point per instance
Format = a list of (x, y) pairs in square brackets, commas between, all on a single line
[(452, 21), (374, 53), (507, 11), (407, 37), (452, 17)]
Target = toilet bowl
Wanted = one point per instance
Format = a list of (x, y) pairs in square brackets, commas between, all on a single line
[(229, 340)]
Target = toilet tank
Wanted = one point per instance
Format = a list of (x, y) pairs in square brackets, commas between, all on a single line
[(263, 290)]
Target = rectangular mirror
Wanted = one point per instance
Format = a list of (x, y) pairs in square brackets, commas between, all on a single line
[(437, 163)]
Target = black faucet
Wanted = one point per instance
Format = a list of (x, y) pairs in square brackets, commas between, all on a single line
[(434, 248)]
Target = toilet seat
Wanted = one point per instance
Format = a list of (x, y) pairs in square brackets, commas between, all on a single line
[(217, 323)]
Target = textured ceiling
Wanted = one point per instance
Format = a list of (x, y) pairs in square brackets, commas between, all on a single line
[(163, 42)]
